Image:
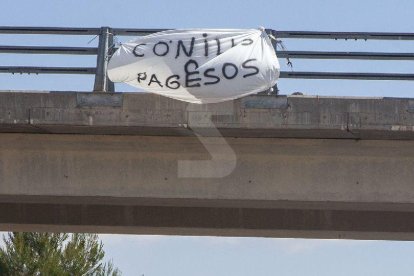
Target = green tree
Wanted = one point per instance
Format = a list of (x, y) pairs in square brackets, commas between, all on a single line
[(54, 254)]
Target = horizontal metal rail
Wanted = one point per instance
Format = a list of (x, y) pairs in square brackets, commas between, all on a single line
[(75, 31), (278, 34), (49, 50), (345, 55), (47, 70), (345, 75), (132, 32), (342, 35), (49, 30), (283, 74), (281, 54)]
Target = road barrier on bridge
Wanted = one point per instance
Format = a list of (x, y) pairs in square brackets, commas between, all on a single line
[(106, 48)]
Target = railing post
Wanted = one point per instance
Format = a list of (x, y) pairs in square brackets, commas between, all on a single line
[(102, 83), (272, 33)]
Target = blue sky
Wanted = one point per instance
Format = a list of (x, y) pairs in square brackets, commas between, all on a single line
[(158, 255), (219, 256)]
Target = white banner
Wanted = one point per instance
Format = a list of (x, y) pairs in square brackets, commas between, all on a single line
[(198, 65)]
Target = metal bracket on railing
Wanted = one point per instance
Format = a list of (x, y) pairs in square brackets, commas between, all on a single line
[(102, 83)]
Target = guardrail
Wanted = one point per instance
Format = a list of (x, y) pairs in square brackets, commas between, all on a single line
[(106, 35)]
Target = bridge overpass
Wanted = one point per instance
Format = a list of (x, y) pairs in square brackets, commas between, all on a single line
[(285, 166)]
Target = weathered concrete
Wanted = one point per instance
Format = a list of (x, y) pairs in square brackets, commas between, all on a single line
[(255, 116), (329, 188), (349, 176)]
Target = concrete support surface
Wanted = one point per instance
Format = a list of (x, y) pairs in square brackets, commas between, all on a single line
[(325, 188), (291, 166)]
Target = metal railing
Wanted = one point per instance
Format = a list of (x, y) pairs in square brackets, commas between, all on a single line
[(106, 37)]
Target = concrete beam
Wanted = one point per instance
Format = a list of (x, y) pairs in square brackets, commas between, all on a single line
[(254, 116), (325, 188), (265, 181)]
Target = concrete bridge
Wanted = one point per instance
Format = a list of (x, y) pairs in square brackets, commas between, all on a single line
[(295, 166)]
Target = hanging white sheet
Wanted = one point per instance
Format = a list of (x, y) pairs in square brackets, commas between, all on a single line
[(198, 65)]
